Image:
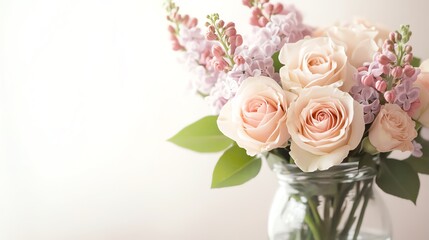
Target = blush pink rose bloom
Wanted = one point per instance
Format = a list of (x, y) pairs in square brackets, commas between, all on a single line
[(358, 40), (325, 125), (382, 30), (359, 26), (422, 82), (315, 62), (392, 129), (256, 117)]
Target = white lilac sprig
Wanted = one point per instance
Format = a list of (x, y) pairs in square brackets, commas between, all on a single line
[(389, 78)]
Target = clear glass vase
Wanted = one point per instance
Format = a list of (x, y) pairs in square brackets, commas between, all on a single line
[(338, 203)]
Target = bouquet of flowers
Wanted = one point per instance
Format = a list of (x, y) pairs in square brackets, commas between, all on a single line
[(289, 93)]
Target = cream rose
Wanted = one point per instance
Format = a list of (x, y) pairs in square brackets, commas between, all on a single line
[(315, 62), (358, 40), (382, 31), (325, 124), (392, 129), (422, 82), (256, 117)]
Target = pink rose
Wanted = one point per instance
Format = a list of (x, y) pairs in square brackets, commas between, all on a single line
[(358, 40), (256, 117), (325, 124), (392, 129), (382, 31), (422, 82), (315, 62)]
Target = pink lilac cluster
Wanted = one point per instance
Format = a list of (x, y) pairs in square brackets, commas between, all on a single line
[(275, 25), (225, 41), (219, 59), (262, 11), (389, 78), (284, 27), (188, 38), (225, 34), (176, 21)]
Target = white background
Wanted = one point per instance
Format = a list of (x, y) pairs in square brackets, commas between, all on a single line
[(90, 90)]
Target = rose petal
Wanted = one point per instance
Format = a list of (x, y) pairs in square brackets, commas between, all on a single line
[(309, 162)]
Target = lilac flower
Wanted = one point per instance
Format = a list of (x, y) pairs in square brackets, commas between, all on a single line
[(286, 27), (192, 39), (291, 9), (413, 78), (417, 151), (406, 95), (374, 68), (203, 80), (204, 77), (221, 93), (258, 62), (289, 28), (267, 39), (368, 97), (264, 42), (389, 54)]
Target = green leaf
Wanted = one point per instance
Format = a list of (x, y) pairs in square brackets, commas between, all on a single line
[(235, 167), (416, 62), (420, 165), (202, 136), (276, 62), (398, 178), (367, 160)]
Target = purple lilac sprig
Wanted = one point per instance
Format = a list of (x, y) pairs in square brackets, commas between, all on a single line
[(389, 77)]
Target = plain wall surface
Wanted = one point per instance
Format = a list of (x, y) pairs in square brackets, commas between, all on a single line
[(90, 91)]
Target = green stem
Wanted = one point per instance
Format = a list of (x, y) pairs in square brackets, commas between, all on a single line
[(363, 210), (389, 82), (327, 216), (364, 193), (308, 219), (400, 55), (177, 28), (224, 45), (351, 218), (314, 211), (339, 199)]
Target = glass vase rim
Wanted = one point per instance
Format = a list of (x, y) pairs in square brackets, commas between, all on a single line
[(344, 172)]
